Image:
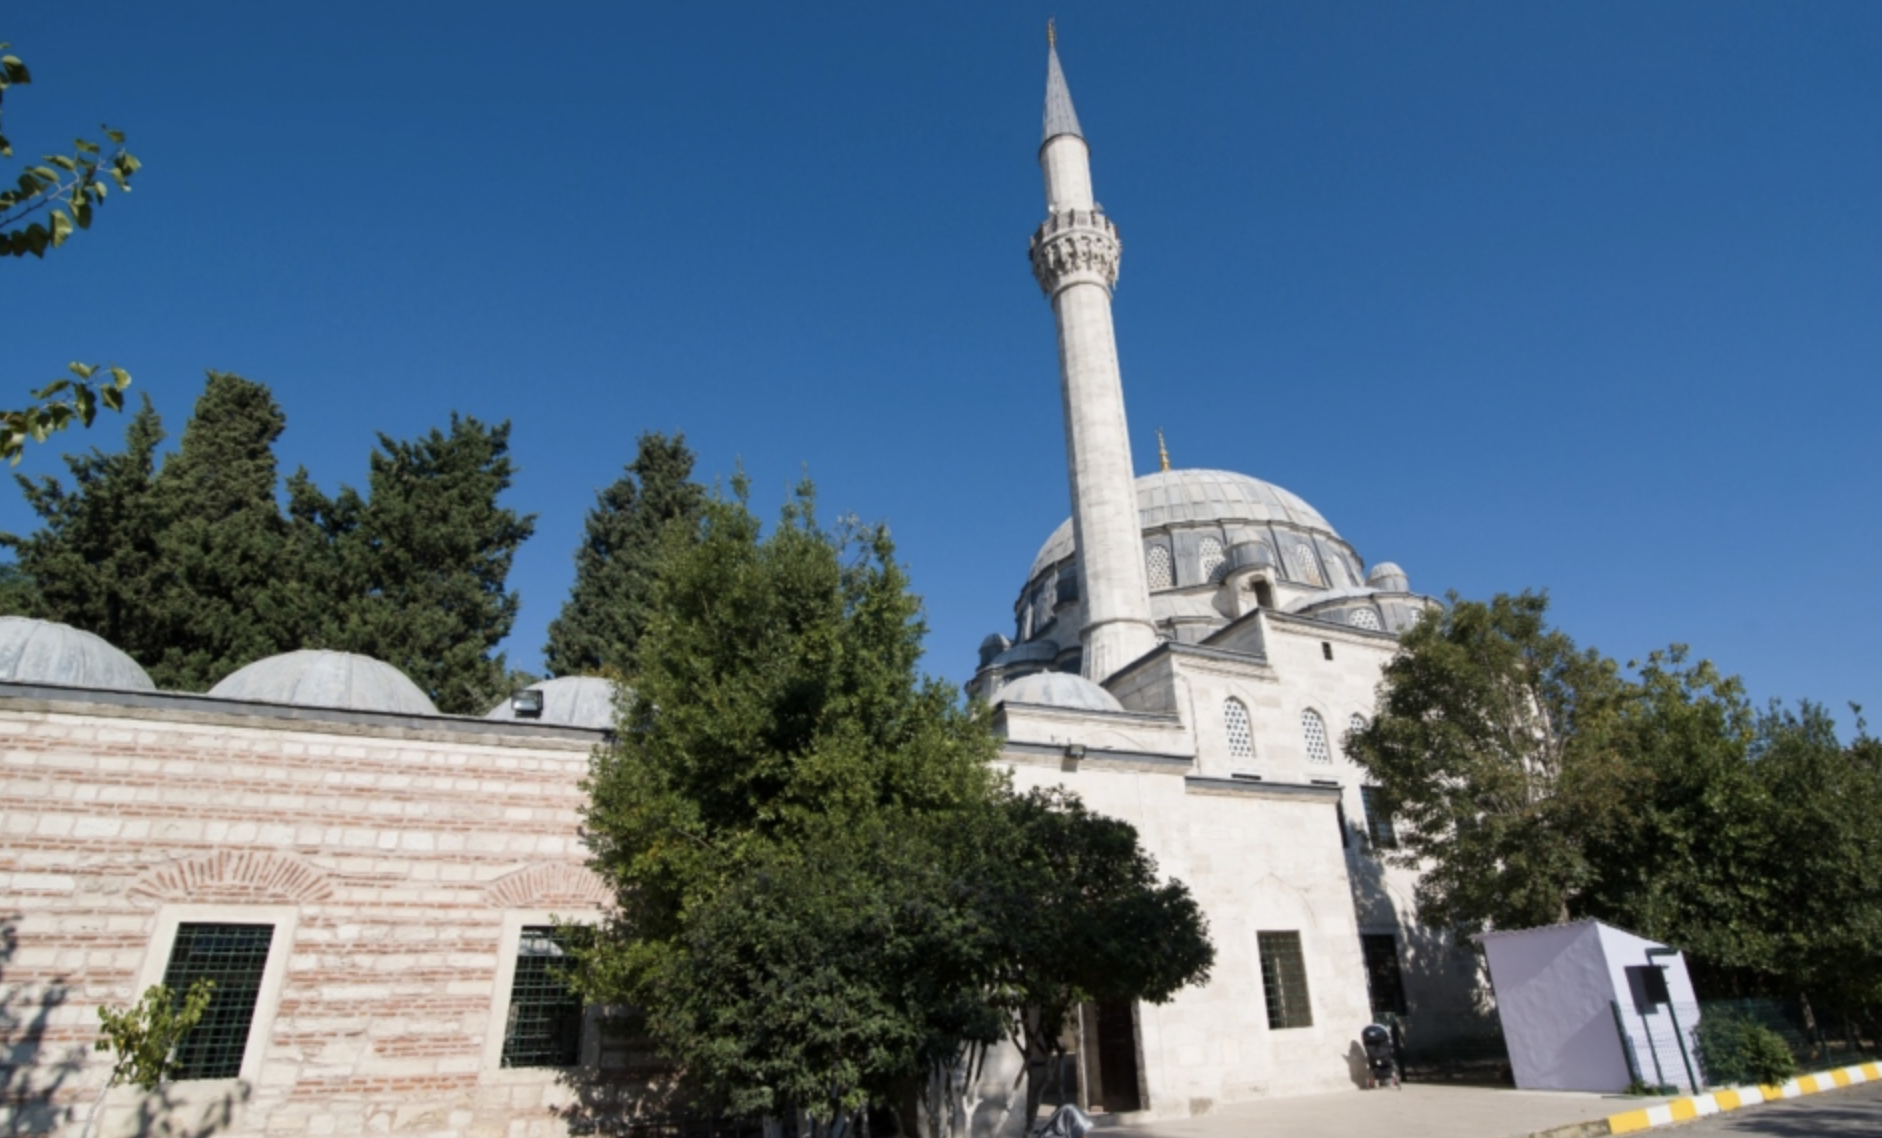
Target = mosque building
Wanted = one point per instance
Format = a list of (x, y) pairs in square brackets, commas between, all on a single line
[(373, 885)]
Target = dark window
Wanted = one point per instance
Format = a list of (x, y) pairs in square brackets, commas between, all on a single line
[(1378, 822), (1384, 981), (233, 956), (1346, 840), (545, 1023), (1284, 980), (1326, 649)]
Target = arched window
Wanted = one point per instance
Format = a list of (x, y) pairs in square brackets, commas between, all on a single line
[(1363, 618), (1353, 726), (1241, 731), (1305, 567), (1157, 567), (1315, 730), (1212, 559), (1049, 595)]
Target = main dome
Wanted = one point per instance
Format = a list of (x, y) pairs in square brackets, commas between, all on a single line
[(1175, 497)]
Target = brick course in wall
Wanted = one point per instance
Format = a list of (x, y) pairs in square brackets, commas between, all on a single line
[(395, 845)]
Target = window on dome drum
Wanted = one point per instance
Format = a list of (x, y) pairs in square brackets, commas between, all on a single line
[(1305, 567), (1384, 982), (1314, 729), (1363, 618), (1241, 732), (1284, 980), (544, 1028), (1213, 562), (233, 956), (1378, 822), (1158, 567)]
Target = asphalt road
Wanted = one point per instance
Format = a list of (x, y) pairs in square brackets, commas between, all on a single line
[(1848, 1110)]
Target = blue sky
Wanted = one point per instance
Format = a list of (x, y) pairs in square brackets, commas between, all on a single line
[(1585, 297)]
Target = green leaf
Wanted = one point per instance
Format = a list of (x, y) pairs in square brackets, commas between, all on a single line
[(120, 378)]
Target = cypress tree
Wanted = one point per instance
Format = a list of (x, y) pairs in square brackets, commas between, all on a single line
[(94, 562), (421, 563), (600, 625)]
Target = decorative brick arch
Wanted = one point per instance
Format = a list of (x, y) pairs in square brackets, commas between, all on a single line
[(548, 887), (235, 875)]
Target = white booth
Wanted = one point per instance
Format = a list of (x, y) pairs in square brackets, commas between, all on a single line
[(1589, 1007)]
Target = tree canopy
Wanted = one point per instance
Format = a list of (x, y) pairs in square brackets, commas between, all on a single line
[(600, 625)]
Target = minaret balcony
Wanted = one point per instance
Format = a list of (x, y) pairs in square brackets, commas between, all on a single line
[(1076, 246)]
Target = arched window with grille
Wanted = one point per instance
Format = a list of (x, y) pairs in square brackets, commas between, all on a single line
[(1314, 729), (1363, 618), (1305, 567), (1353, 726), (1241, 732), (1158, 567), (1212, 560)]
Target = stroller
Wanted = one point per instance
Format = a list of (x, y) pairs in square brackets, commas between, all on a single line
[(1381, 1066)]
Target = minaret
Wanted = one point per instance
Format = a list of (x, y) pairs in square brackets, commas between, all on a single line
[(1075, 258)]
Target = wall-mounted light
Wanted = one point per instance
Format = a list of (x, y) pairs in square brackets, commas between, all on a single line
[(527, 704)]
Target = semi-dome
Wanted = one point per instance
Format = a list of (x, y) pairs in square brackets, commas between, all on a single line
[(1058, 689), (568, 701), (320, 678), (45, 652), (1176, 497)]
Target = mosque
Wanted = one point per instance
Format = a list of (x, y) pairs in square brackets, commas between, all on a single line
[(374, 885)]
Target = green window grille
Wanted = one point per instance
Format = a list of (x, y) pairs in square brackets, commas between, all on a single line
[(1384, 982), (545, 1023), (1378, 822), (233, 956), (1284, 980)]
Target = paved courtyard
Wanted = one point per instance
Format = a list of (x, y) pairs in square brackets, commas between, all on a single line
[(1416, 1111)]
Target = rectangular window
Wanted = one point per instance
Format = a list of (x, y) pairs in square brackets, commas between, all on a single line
[(233, 956), (1284, 980), (1384, 981), (544, 1028), (1378, 822)]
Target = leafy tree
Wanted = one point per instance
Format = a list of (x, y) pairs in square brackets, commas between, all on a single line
[(418, 567), (65, 189), (601, 623), (1496, 751), (143, 1038), (778, 779), (223, 548), (94, 563)]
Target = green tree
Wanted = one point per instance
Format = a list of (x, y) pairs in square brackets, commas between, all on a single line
[(780, 737), (601, 623), (223, 548), (94, 562), (143, 1039), (64, 189), (1497, 750), (419, 566)]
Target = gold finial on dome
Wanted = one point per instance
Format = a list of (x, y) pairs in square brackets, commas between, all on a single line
[(1163, 452), (1052, 33)]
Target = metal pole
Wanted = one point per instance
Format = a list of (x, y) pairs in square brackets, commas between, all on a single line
[(1627, 1044), (1680, 1038), (1659, 1076)]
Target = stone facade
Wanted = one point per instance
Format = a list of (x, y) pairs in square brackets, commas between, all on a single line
[(397, 857)]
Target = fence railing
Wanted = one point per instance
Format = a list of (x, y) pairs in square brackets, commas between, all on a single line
[(1686, 1046)]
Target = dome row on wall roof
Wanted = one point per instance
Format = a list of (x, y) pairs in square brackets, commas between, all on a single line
[(46, 652), (1174, 497)]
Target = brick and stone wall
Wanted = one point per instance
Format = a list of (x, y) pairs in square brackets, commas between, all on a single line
[(396, 855)]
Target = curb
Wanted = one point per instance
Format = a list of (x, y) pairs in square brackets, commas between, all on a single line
[(1714, 1102)]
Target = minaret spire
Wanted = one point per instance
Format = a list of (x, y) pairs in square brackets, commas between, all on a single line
[(1075, 256)]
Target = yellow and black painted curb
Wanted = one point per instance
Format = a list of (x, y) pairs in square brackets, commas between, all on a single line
[(1716, 1102)]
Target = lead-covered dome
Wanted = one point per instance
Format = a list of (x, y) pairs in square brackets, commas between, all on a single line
[(1058, 689), (1179, 497), (569, 701), (45, 652), (320, 678)]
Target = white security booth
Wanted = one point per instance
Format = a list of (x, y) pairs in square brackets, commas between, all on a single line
[(1589, 1007)]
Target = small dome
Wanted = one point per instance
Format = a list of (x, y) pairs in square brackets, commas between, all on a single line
[(1058, 689), (319, 678), (1387, 577), (570, 701), (44, 652)]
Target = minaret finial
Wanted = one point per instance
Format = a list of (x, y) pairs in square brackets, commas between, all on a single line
[(1060, 118), (1052, 33), (1163, 452)]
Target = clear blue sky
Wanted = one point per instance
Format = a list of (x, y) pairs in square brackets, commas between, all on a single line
[(1585, 297)]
